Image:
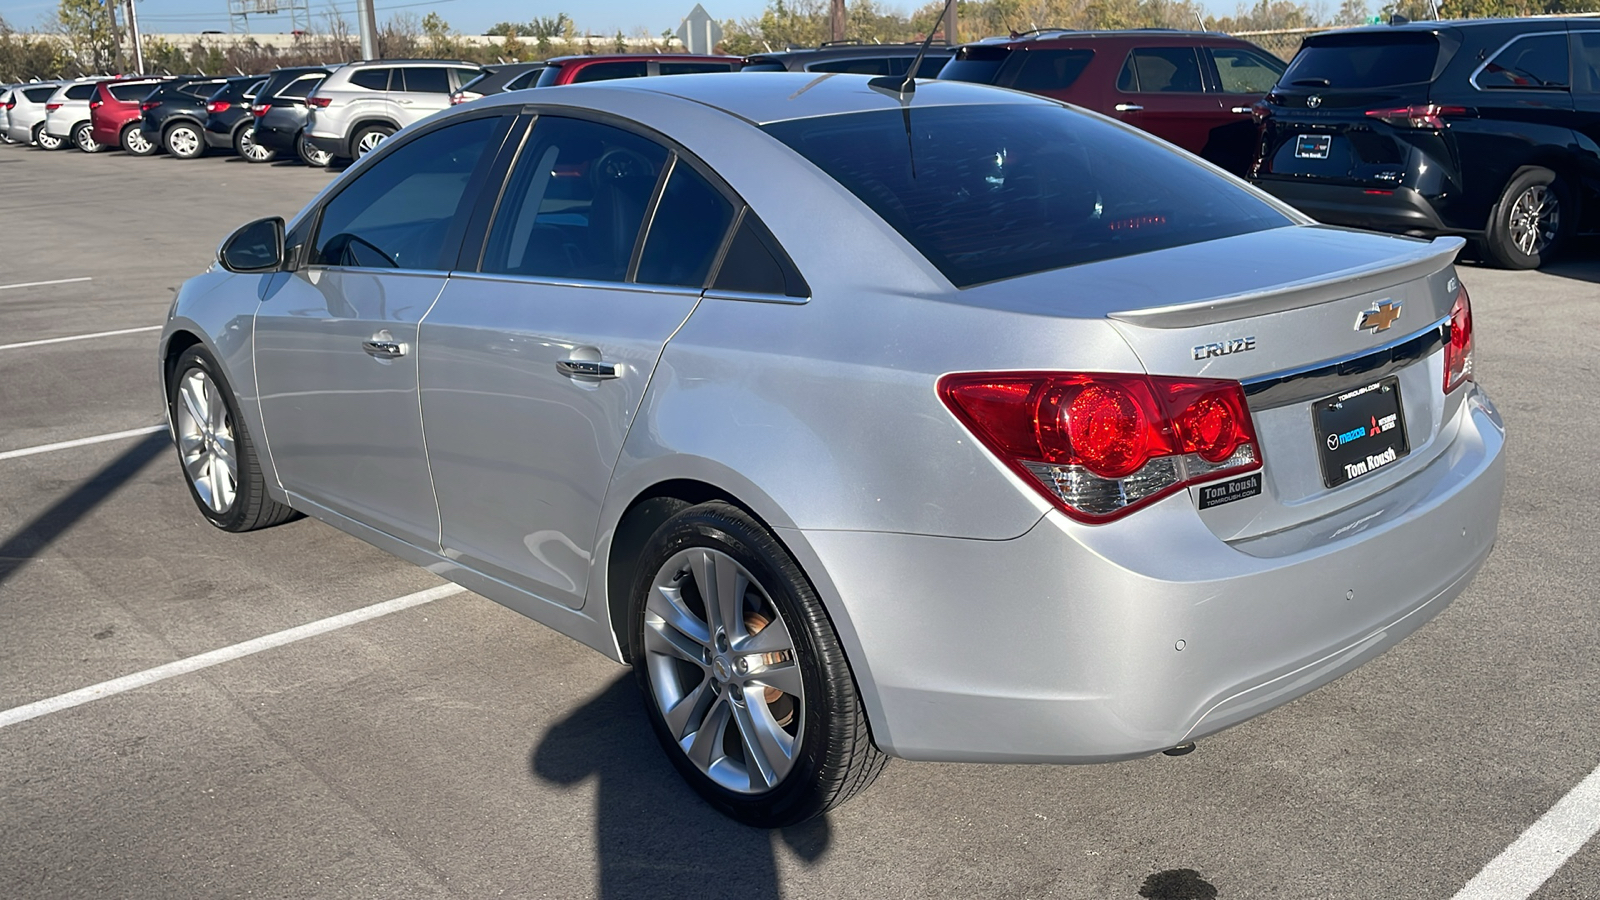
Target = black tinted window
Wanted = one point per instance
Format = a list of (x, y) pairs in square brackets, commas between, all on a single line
[(575, 202), (1586, 65), (932, 65), (80, 92), (397, 213), (1158, 70), (130, 92), (976, 64), (302, 87), (752, 265), (1363, 61), (1050, 70), (857, 66), (687, 231), (201, 90), (425, 80), (765, 66), (1243, 71), (525, 80), (608, 71), (371, 79), (693, 68), (39, 95), (1006, 190), (1537, 61)]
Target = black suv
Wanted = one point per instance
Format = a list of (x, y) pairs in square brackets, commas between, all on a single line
[(175, 113), (853, 57), (1487, 128), (228, 119), (280, 114)]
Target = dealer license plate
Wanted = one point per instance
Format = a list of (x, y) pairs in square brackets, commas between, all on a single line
[(1360, 431), (1313, 146)]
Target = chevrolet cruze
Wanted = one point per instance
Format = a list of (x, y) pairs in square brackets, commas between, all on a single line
[(863, 420)]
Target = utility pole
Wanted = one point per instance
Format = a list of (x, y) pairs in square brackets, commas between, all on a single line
[(950, 24), (836, 16), (367, 22), (133, 35)]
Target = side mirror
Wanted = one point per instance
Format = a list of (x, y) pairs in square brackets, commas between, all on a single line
[(257, 247)]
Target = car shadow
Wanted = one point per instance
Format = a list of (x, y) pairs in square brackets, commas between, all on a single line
[(1580, 261), (654, 836)]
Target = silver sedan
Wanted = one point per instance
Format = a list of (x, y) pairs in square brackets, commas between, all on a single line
[(954, 424)]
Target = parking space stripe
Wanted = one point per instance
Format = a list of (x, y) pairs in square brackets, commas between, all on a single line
[(1522, 868), (225, 654), (81, 442), (79, 337), (7, 287)]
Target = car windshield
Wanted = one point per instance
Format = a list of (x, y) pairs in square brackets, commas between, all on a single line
[(1363, 61), (994, 192)]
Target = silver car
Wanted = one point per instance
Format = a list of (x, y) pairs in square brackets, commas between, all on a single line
[(950, 425), (359, 105), (25, 119)]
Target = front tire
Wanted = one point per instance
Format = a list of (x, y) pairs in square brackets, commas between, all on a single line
[(135, 143), (184, 141), (1532, 220), (218, 457), (244, 145), (745, 681), (44, 140), (83, 138)]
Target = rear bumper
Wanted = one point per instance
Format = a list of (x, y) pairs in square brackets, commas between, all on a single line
[(279, 139), (217, 141), (1078, 643), (332, 145), (1400, 210)]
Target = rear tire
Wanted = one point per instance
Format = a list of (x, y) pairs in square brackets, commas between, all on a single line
[(1532, 220), (309, 154), (215, 451), (135, 143), (246, 147), (368, 139), (45, 141), (184, 141), (745, 681), (83, 138)]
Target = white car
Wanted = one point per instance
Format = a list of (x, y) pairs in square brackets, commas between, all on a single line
[(25, 112), (67, 116)]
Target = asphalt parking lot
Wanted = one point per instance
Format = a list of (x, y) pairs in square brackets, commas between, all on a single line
[(453, 748)]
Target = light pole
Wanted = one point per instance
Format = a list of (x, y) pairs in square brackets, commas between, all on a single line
[(133, 34)]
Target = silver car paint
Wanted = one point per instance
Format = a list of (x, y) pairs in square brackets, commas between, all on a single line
[(981, 624), (353, 106), (28, 113)]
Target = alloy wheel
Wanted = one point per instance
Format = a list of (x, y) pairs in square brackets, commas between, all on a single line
[(251, 149), (138, 143), (85, 140), (723, 671), (1535, 219), (206, 441), (312, 155), (183, 142), (369, 142), (48, 141)]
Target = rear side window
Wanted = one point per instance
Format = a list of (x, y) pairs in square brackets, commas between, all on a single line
[(1364, 61), (1050, 70), (424, 80), (857, 66), (694, 68), (371, 79), (525, 80), (1161, 70), (1241, 71), (39, 95), (128, 93), (608, 71), (1010, 189), (753, 264), (201, 90), (254, 90), (80, 92), (932, 65), (979, 65), (1535, 62), (396, 214), (1586, 66), (301, 87), (690, 222)]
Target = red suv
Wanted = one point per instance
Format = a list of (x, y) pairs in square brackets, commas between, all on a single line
[(1192, 88), (114, 114), (578, 69)]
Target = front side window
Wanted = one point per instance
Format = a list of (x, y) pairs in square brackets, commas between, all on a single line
[(1241, 71), (575, 202), (993, 192), (371, 79), (1050, 70), (1536, 62), (1161, 70), (396, 214)]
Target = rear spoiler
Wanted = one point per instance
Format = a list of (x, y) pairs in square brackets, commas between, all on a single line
[(1428, 258)]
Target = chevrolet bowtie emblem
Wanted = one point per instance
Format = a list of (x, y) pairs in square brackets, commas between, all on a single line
[(1380, 317)]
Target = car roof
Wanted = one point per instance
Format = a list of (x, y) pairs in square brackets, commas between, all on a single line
[(852, 51), (1044, 35), (784, 96), (628, 57)]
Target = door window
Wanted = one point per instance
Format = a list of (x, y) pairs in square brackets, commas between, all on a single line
[(1050, 70), (575, 202), (425, 80), (691, 220), (39, 95), (754, 265), (371, 79), (1241, 71), (302, 87), (1161, 70), (1536, 62), (859, 66), (397, 213), (1586, 65), (80, 92), (692, 68), (610, 70), (127, 93)]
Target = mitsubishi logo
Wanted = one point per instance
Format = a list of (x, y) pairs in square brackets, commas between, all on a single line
[(1380, 317), (1314, 101)]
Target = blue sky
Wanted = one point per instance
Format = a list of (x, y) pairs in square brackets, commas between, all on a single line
[(470, 16)]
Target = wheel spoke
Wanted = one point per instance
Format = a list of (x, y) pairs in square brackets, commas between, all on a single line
[(692, 708), (773, 638), (195, 464), (663, 636), (763, 753), (217, 409), (706, 747), (191, 399), (784, 676)]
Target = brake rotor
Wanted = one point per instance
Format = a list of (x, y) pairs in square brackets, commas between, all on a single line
[(780, 704)]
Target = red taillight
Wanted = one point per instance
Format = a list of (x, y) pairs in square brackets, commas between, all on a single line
[(147, 106), (318, 102), (96, 103), (260, 109), (216, 106), (51, 107), (1430, 115), (1099, 446), (1458, 352)]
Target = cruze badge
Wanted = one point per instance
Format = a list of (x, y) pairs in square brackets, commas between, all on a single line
[(1223, 348), (1380, 317)]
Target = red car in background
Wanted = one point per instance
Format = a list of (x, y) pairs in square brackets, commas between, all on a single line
[(579, 69), (1191, 88), (114, 114)]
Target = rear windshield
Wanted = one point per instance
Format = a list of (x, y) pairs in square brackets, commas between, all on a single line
[(976, 64), (1363, 61), (994, 192)]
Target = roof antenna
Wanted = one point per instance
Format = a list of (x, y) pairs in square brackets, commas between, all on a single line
[(903, 89)]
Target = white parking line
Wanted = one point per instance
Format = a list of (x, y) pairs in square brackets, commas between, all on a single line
[(81, 442), (225, 654), (1531, 859), (79, 337), (7, 287)]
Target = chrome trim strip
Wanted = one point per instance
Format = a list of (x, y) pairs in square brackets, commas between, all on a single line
[(627, 286), (755, 298), (1321, 379), (1473, 78)]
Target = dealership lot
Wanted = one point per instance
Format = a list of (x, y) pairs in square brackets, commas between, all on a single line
[(454, 748)]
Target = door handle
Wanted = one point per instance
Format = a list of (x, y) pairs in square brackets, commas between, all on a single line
[(1241, 110), (384, 349), (1127, 107), (587, 368)]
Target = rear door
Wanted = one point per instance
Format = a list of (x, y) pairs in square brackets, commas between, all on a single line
[(1163, 91), (535, 358), (1586, 97), (1242, 75), (419, 92)]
